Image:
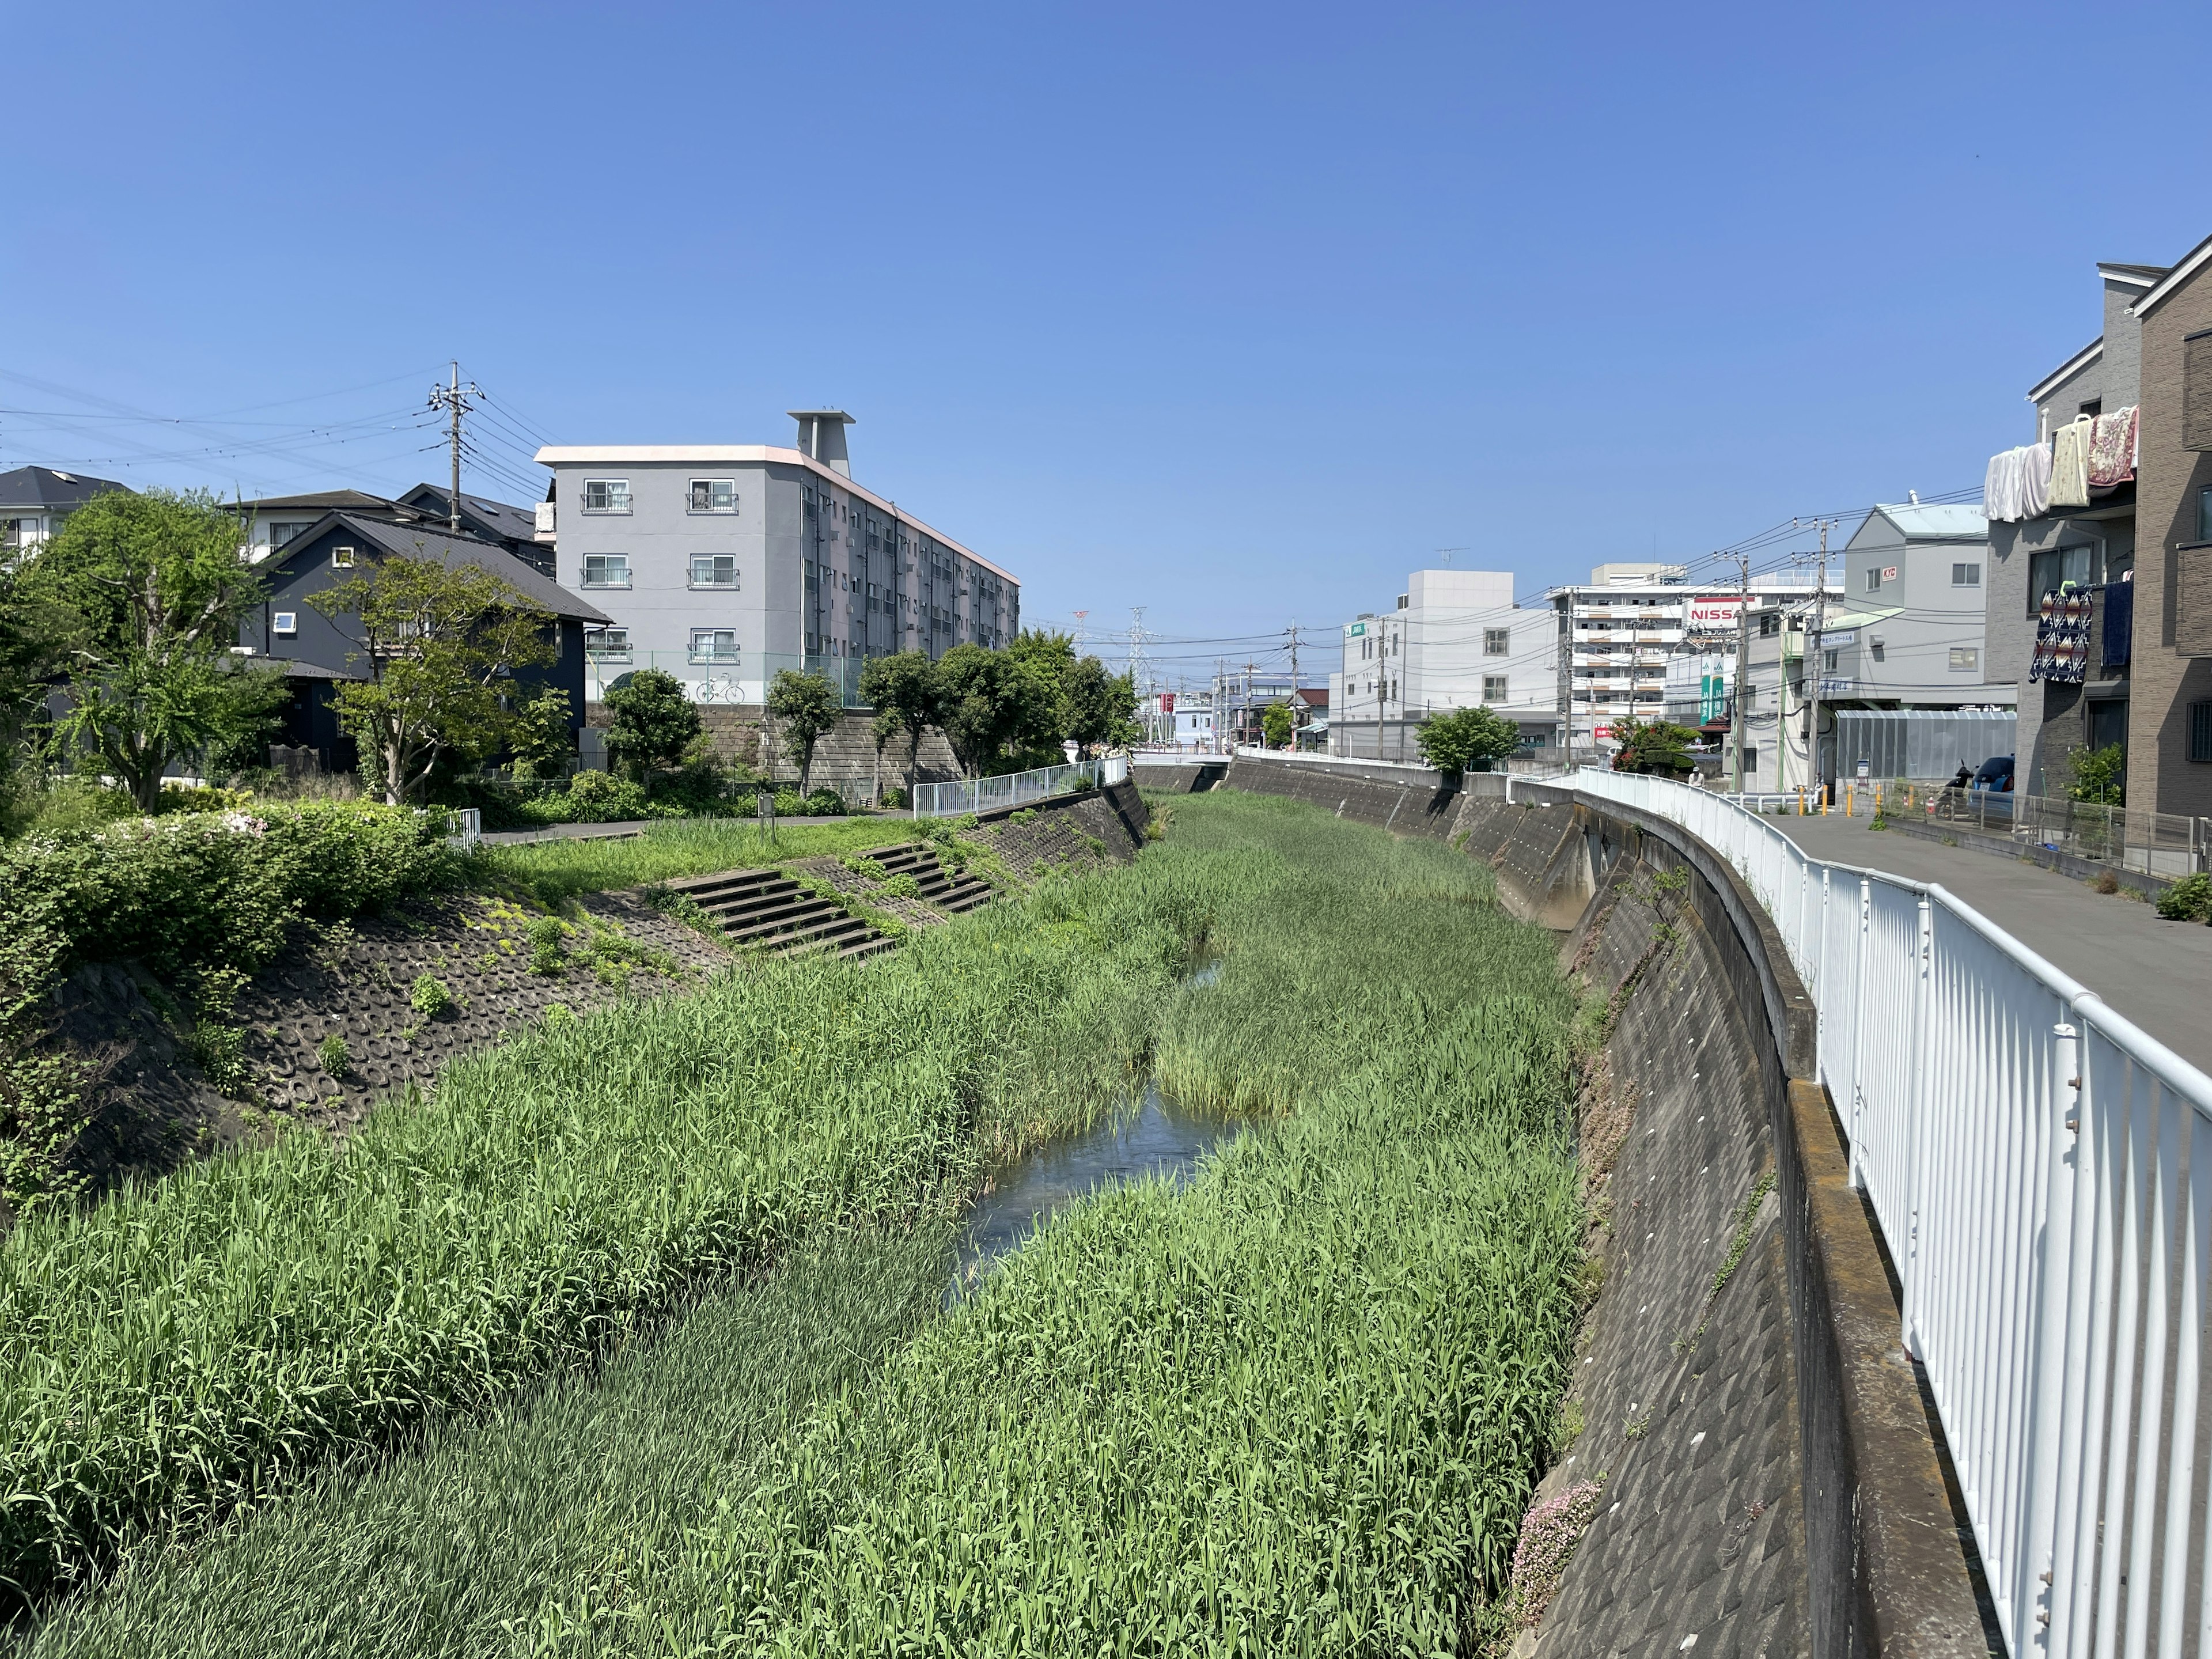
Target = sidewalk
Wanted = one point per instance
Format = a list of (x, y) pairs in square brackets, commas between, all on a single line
[(2158, 974), (620, 827)]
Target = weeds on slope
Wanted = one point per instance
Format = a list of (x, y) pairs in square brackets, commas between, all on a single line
[(555, 870), (192, 1345)]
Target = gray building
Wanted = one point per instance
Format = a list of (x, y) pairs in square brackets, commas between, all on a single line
[(723, 563), (1913, 578), (2087, 546)]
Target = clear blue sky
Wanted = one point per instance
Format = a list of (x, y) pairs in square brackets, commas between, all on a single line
[(1234, 312)]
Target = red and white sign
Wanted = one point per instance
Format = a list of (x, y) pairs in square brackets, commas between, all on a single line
[(1167, 702), (1713, 613), (1889, 571)]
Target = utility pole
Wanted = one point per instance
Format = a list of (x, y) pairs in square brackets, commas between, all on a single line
[(455, 399), (1816, 661), (1739, 715)]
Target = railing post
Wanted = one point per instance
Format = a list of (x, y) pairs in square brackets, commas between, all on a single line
[(1856, 1176), (1921, 1127)]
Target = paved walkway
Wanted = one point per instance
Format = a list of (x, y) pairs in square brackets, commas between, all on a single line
[(2158, 974), (629, 827)]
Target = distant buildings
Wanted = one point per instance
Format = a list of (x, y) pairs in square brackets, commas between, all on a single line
[(35, 500), (1456, 640), (722, 563)]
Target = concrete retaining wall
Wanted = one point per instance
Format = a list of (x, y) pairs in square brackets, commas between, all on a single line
[(1770, 1482)]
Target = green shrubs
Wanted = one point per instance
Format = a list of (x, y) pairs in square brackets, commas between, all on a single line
[(597, 798), (822, 804), (548, 956), (332, 1054), (220, 1053), (899, 887), (429, 996), (2189, 899), (195, 1344)]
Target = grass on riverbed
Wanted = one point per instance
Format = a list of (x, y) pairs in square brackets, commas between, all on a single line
[(194, 1344), (555, 870)]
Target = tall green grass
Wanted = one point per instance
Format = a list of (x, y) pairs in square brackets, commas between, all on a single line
[(1293, 1407), (556, 870), (192, 1345)]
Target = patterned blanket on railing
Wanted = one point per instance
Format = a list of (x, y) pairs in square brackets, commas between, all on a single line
[(2062, 638)]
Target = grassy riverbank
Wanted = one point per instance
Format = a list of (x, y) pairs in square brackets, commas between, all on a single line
[(552, 871), (1293, 1407)]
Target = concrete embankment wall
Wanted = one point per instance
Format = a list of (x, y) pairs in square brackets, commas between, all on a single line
[(1769, 1481)]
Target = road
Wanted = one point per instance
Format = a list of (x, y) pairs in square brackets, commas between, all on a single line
[(2158, 974)]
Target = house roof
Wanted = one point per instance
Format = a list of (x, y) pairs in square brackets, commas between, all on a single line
[(1923, 522), (2066, 371), (42, 487), (2172, 282), (519, 523), (296, 669), (1314, 696), (416, 541), (323, 500), (2134, 276)]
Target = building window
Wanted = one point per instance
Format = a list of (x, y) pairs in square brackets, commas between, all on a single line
[(1965, 575), (285, 622), (2203, 516), (1874, 578), (281, 533), (607, 643), (1770, 624), (718, 571), (2200, 731), (342, 558), (607, 495), (1496, 641), (714, 644), (1493, 688), (606, 571), (1964, 659), (713, 495), (19, 532), (1830, 666), (2053, 568)]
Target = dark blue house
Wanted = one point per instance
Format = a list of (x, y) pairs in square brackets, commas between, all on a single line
[(319, 653)]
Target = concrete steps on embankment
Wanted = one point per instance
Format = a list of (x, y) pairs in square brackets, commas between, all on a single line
[(768, 909), (953, 893)]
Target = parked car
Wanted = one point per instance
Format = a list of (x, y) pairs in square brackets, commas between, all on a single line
[(1995, 775)]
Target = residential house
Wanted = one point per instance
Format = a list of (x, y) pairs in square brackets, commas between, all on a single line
[(34, 500), (319, 653), (2085, 545), (1914, 577), (276, 520)]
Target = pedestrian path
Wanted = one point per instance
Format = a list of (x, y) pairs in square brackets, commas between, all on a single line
[(2156, 973)]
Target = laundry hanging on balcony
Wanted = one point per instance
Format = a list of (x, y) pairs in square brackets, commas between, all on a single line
[(2112, 449), (2119, 624), (2061, 637), (2035, 481), (2018, 483), (2070, 463)]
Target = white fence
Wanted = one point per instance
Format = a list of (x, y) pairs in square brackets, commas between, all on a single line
[(966, 795), (2032, 1157)]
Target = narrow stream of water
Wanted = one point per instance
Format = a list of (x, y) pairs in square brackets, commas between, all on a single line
[(1159, 1137)]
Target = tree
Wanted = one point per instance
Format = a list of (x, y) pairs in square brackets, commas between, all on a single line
[(436, 642), (146, 591), (540, 735), (903, 689), (975, 691), (1098, 708), (1466, 740), (1653, 746), (656, 723), (2100, 776), (1277, 723), (809, 707)]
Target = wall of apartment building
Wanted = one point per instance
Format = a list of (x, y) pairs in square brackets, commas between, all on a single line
[(1914, 665), (2163, 683)]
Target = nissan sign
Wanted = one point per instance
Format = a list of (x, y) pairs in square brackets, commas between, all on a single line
[(1711, 614)]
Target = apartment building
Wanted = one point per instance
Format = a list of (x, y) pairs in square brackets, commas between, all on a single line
[(1456, 640), (1612, 641), (723, 563), (1911, 631)]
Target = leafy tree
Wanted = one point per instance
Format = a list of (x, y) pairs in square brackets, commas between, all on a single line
[(540, 734), (976, 692), (1466, 740), (2100, 776), (436, 641), (145, 593), (903, 689), (1653, 746), (809, 707), (656, 723), (1277, 723), (1098, 707)]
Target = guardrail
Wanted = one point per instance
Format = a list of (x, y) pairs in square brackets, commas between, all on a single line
[(2041, 1170), (968, 795)]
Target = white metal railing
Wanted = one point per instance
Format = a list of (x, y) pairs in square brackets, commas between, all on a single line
[(2042, 1172), (966, 795)]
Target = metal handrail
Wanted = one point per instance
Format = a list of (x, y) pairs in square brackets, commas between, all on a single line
[(2041, 1169)]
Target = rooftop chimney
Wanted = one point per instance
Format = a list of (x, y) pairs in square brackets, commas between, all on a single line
[(821, 436)]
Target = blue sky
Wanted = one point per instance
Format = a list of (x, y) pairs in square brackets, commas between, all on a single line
[(1237, 313)]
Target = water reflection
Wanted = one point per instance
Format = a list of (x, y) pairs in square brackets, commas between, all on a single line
[(1159, 1137)]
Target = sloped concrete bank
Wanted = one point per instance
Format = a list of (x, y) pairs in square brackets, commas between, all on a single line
[(1766, 1479)]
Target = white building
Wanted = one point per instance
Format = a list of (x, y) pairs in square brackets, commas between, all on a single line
[(1456, 639)]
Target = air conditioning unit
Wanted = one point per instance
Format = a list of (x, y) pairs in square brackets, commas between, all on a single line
[(545, 520)]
